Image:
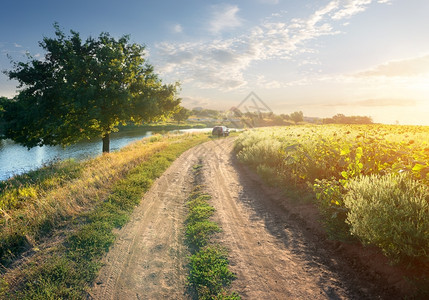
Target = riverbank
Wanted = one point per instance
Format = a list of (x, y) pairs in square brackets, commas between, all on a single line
[(16, 159), (55, 252)]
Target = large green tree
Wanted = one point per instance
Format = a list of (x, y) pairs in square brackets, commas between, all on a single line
[(84, 89)]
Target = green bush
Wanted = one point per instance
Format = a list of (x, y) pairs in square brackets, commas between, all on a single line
[(329, 201), (391, 212), (264, 151)]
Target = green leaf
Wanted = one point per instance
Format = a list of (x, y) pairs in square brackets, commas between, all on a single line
[(418, 167)]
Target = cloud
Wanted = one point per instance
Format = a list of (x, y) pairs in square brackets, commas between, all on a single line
[(265, 83), (224, 17), (268, 84), (215, 64), (269, 1), (385, 102), (350, 8), (177, 28), (17, 45), (410, 67), (191, 102), (382, 102), (223, 56), (221, 63)]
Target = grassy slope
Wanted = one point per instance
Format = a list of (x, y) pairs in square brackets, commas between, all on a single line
[(75, 217)]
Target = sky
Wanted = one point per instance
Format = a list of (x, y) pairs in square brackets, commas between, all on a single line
[(322, 57)]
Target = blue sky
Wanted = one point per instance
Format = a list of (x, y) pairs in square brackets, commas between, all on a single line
[(357, 57)]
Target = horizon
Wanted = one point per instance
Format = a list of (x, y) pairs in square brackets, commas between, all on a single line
[(354, 57)]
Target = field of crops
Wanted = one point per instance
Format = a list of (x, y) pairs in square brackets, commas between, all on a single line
[(370, 182)]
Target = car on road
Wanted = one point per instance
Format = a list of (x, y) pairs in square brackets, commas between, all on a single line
[(220, 131)]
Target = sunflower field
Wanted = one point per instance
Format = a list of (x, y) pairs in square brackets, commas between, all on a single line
[(370, 182)]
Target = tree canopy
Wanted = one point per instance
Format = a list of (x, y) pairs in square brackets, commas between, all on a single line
[(297, 116), (84, 89), (182, 114)]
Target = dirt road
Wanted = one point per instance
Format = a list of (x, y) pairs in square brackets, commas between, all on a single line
[(273, 253)]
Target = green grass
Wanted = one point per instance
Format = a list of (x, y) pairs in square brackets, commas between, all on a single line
[(23, 188), (58, 196), (199, 228), (69, 268), (209, 275)]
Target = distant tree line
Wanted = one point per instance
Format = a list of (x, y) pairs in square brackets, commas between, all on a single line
[(297, 116), (257, 118), (342, 119), (205, 113)]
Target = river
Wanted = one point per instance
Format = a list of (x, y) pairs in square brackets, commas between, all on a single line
[(15, 159)]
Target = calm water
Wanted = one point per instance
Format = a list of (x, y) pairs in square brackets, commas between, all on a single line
[(15, 159)]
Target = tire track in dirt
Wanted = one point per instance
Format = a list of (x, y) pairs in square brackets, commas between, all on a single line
[(148, 260)]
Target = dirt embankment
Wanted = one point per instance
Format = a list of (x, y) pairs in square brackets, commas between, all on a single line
[(273, 251)]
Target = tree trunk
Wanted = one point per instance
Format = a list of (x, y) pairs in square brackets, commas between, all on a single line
[(106, 143)]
